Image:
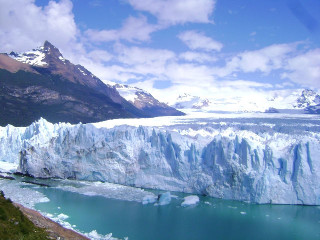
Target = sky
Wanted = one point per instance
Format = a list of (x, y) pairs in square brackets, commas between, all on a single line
[(209, 48)]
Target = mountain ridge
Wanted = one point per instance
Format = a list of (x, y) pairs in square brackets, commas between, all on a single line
[(45, 84), (299, 101)]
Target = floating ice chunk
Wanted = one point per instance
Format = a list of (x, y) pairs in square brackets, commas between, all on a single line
[(149, 199), (208, 203), (49, 215), (63, 216), (165, 198), (232, 207), (96, 236), (190, 200), (243, 213)]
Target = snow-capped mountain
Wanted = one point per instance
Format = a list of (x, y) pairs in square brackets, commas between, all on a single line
[(309, 101), (308, 98), (143, 100), (186, 101), (48, 59), (42, 83), (297, 101), (259, 159)]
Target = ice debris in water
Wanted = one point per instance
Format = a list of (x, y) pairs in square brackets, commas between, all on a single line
[(165, 198), (94, 235), (63, 216), (27, 197), (149, 199), (108, 190), (190, 200)]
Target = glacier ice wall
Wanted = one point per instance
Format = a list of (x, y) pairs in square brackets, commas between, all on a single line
[(255, 162)]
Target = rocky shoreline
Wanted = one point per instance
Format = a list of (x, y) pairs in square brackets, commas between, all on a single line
[(54, 230)]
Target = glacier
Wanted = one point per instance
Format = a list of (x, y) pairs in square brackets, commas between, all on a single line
[(258, 158)]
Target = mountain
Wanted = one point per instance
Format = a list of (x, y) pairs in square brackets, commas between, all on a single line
[(309, 101), (42, 83), (189, 101), (48, 59), (145, 101), (307, 98), (297, 101)]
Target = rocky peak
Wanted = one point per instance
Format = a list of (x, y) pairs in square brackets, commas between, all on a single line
[(41, 56), (308, 98), (51, 50)]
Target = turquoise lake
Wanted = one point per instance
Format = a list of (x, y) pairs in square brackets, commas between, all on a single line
[(212, 219)]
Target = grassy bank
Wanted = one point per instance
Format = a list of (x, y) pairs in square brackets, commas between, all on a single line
[(15, 226)]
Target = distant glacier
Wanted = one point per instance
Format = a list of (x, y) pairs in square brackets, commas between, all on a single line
[(249, 157)]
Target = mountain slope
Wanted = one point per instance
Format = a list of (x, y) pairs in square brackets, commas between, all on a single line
[(42, 83), (13, 66), (145, 101), (49, 60), (25, 97)]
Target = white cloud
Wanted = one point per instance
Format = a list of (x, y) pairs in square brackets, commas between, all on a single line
[(190, 74), (305, 68), (100, 55), (133, 29), (262, 60), (177, 11), (197, 57), (197, 40), (137, 55), (145, 61), (23, 25)]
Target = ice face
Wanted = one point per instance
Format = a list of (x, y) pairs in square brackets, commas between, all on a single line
[(257, 159)]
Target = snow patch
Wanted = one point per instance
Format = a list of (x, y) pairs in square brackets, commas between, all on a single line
[(34, 57)]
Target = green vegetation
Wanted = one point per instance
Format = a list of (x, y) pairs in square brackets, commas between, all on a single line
[(15, 226)]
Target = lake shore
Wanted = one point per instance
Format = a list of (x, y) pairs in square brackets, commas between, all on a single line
[(55, 230)]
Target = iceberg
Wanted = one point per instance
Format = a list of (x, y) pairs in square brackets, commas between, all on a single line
[(149, 199), (254, 158), (190, 200), (164, 198)]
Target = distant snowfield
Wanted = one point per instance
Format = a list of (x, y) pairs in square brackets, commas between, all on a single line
[(196, 116)]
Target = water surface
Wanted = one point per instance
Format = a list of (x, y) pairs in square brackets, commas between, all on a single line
[(210, 219)]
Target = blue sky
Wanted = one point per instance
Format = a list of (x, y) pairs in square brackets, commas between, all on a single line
[(203, 47)]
